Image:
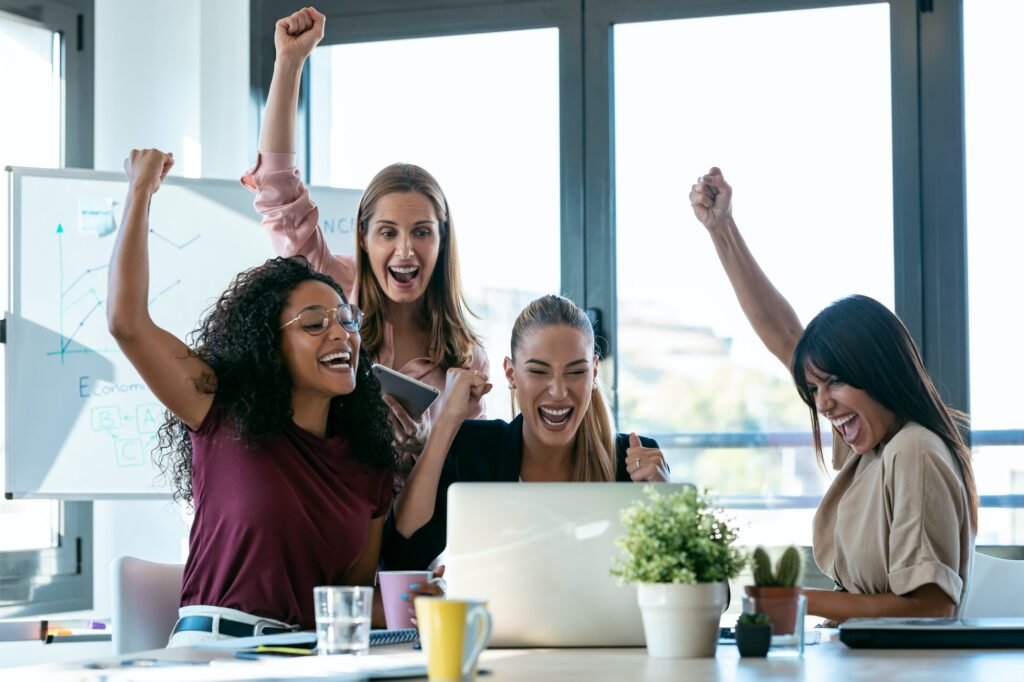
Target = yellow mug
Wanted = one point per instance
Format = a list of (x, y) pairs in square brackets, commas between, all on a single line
[(453, 633)]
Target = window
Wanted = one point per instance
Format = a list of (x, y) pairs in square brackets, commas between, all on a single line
[(793, 136), (994, 108), (860, 102), (481, 113), (30, 135), (45, 545)]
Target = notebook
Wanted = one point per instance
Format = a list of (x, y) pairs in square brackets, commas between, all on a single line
[(933, 633), (306, 639), (539, 554)]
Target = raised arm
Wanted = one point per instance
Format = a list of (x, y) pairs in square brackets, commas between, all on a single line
[(289, 214), (295, 36), (415, 505), (771, 316), (164, 361)]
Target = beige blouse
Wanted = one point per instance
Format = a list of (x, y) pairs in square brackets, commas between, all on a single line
[(895, 520)]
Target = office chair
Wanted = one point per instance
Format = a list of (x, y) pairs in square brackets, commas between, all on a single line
[(994, 584), (144, 604)]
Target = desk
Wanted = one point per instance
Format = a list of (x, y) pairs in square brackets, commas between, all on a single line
[(830, 661)]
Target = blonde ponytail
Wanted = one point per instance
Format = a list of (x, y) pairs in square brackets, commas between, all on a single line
[(594, 457)]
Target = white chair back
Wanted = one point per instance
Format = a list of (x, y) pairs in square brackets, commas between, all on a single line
[(995, 589), (145, 603)]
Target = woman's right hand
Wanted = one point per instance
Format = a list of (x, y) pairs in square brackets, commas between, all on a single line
[(296, 35), (711, 200), (147, 168), (462, 392)]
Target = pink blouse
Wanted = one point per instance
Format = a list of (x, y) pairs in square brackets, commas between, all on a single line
[(292, 219)]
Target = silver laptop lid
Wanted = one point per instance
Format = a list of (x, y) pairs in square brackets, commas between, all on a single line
[(540, 553)]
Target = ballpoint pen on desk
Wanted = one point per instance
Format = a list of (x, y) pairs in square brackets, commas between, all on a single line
[(264, 650)]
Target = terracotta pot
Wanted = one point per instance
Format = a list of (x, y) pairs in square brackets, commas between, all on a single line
[(780, 605)]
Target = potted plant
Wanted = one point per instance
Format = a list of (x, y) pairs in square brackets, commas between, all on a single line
[(753, 634), (776, 593), (678, 550)]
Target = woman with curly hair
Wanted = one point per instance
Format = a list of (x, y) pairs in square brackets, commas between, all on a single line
[(405, 274), (276, 433)]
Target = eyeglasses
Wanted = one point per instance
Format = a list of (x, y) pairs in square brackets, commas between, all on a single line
[(315, 319)]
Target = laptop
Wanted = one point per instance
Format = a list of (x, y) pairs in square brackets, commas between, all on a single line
[(933, 633), (539, 554)]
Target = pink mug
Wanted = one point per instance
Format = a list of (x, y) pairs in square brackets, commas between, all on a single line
[(394, 584)]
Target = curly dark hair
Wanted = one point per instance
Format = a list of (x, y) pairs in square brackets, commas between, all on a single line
[(241, 331)]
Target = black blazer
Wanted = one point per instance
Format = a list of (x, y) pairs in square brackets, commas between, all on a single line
[(483, 451)]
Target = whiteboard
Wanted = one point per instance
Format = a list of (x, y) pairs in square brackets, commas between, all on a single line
[(79, 421)]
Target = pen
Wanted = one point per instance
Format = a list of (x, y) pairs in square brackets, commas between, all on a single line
[(293, 651)]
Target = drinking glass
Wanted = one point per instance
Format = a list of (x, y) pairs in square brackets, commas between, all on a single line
[(342, 619)]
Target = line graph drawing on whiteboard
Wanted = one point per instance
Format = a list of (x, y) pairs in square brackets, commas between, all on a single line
[(92, 297)]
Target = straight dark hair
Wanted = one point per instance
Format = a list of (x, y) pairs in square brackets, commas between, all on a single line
[(863, 344)]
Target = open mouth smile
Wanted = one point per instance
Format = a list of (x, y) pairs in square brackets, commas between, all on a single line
[(555, 418), (338, 361), (404, 275)]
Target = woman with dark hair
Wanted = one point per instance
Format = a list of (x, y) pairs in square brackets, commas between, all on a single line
[(276, 432), (564, 432), (405, 274), (895, 530)]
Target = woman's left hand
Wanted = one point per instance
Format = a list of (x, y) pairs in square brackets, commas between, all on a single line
[(645, 464), (435, 587), (410, 434)]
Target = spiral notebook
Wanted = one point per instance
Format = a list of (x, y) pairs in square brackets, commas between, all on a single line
[(305, 640), (386, 637)]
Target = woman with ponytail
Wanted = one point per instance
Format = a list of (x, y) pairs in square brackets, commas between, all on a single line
[(563, 432)]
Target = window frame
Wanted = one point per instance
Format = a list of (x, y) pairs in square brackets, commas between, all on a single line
[(928, 163), (60, 578), (928, 125), (375, 20)]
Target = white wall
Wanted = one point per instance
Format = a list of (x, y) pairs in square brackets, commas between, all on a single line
[(171, 74), (174, 74)]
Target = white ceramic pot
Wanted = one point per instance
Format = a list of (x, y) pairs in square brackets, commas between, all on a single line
[(681, 621)]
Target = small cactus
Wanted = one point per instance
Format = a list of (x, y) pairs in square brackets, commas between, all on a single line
[(787, 573), (752, 619), (762, 568), (790, 568)]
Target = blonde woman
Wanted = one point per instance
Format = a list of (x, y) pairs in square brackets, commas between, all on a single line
[(564, 431), (405, 275)]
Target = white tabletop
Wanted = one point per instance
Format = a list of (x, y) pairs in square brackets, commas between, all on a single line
[(831, 661)]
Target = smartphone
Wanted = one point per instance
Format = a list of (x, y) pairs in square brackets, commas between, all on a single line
[(414, 396)]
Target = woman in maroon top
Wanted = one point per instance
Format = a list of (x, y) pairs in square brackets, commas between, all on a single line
[(276, 432)]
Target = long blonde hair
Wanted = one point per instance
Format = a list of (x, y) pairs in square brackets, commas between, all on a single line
[(594, 456), (451, 339)]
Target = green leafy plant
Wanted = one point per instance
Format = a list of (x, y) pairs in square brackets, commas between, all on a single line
[(752, 619), (788, 570), (677, 538)]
